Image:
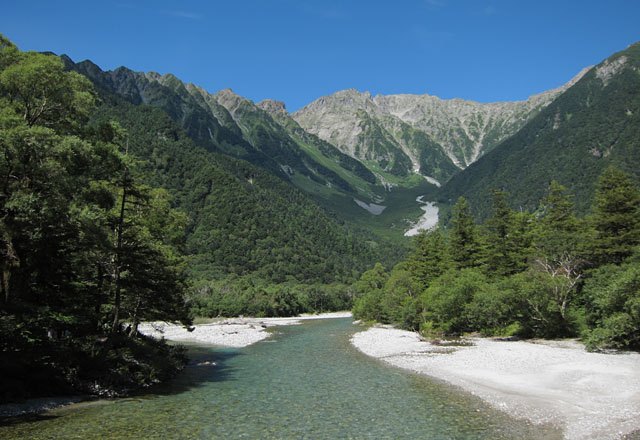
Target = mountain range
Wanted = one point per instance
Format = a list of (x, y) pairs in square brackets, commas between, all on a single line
[(400, 130), (139, 197), (369, 158)]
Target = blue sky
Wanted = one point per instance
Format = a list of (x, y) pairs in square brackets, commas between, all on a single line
[(299, 50)]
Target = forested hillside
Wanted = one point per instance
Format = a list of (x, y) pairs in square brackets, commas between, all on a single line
[(243, 220), (227, 123), (594, 124), (283, 251)]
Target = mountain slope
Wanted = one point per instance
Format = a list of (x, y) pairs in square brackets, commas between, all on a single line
[(370, 158), (593, 124), (227, 123), (267, 136), (412, 133), (243, 219), (205, 121)]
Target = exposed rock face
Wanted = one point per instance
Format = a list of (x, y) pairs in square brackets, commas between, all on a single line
[(228, 99), (333, 118), (607, 69), (273, 107), (463, 130)]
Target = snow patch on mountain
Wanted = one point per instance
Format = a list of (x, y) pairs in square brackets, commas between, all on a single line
[(371, 207), (432, 181)]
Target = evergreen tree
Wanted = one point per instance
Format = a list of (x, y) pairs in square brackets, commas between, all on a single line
[(557, 255), (558, 209), (616, 217), (464, 247), (500, 251), (429, 257), (557, 231)]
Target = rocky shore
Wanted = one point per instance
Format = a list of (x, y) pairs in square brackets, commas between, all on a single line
[(587, 395), (232, 332)]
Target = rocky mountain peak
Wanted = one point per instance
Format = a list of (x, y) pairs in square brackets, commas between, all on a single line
[(226, 94), (273, 107), (463, 129), (229, 99)]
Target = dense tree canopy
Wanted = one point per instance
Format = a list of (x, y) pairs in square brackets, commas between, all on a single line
[(84, 246), (547, 275), (615, 217)]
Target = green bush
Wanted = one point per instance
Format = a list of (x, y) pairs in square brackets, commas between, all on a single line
[(445, 300), (496, 310), (614, 294), (539, 312)]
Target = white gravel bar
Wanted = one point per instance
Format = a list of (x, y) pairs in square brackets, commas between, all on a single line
[(587, 395), (232, 332)]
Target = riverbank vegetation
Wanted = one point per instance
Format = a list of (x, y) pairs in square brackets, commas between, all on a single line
[(88, 251), (246, 296), (545, 274)]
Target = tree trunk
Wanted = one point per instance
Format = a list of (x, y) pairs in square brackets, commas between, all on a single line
[(117, 302), (134, 319)]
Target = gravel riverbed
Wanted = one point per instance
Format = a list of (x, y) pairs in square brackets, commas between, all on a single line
[(587, 395), (232, 332)]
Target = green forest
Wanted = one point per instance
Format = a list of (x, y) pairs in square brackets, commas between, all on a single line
[(88, 250), (545, 274)]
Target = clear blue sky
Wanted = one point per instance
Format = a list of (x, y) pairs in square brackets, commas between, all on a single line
[(298, 50)]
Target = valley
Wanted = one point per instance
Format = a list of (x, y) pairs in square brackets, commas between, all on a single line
[(134, 197), (343, 149)]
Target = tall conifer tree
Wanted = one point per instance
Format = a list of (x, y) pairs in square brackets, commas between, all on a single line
[(464, 245), (616, 217)]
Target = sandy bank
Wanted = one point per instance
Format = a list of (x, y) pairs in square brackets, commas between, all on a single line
[(588, 395), (232, 332)]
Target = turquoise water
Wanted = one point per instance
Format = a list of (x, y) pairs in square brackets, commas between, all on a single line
[(307, 382)]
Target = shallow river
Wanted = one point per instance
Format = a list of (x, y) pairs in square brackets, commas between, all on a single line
[(307, 382)]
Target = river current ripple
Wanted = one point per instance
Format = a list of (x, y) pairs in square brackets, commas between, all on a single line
[(306, 382)]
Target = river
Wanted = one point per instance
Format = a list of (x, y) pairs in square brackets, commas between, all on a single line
[(306, 382)]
